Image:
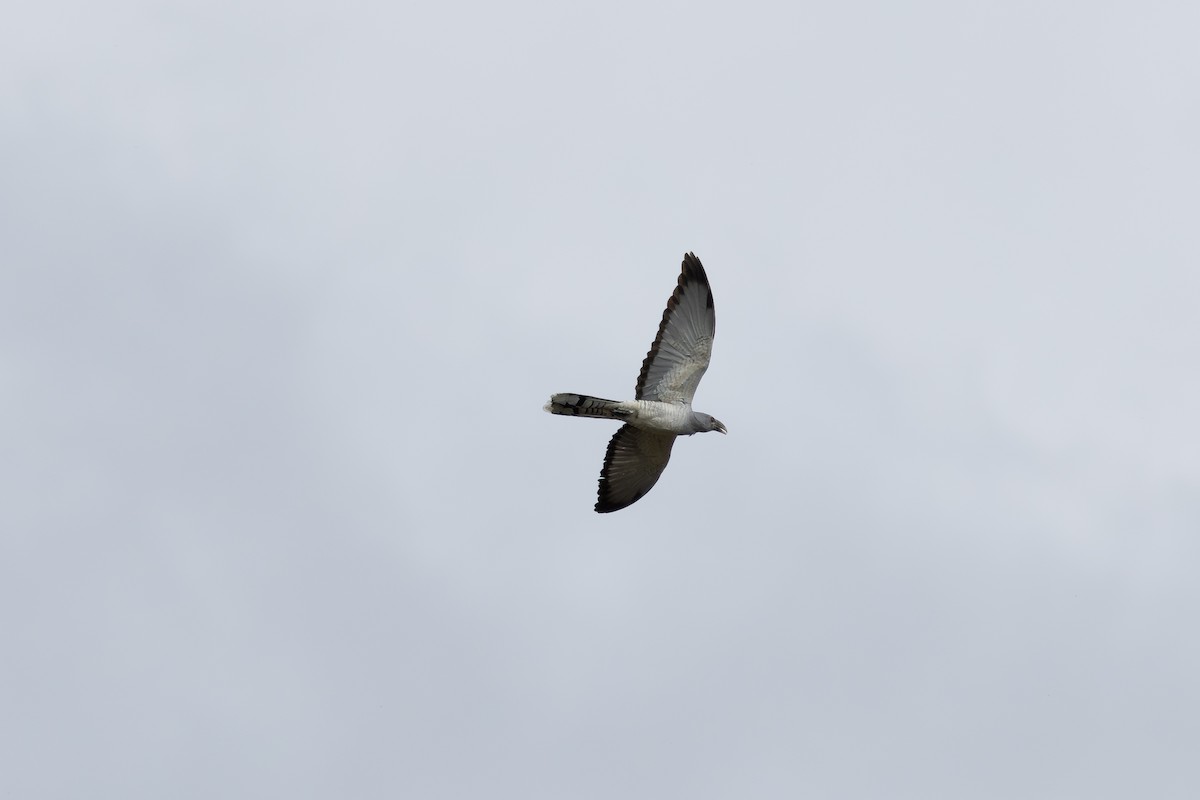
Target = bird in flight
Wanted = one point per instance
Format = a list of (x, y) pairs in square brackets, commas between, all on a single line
[(662, 408)]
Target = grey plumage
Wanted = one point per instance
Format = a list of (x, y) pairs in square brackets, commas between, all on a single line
[(580, 405), (662, 408)]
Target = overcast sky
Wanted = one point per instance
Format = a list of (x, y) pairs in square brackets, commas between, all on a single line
[(284, 286)]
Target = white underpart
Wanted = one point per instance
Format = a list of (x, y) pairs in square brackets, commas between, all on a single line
[(653, 415)]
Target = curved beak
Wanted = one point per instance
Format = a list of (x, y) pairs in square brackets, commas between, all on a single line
[(720, 426)]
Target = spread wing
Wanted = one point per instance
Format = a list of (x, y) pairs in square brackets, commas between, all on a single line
[(679, 356), (635, 459)]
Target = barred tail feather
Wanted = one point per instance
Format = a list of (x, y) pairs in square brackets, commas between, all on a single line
[(581, 405)]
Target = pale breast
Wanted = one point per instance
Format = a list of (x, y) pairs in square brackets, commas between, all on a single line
[(667, 417)]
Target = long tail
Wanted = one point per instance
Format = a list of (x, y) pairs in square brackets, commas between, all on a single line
[(580, 405)]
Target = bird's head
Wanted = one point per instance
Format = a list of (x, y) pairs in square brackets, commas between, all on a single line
[(714, 424)]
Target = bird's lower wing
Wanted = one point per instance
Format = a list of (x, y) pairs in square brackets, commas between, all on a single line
[(634, 460)]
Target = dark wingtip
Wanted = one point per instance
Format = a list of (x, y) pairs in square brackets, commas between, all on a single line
[(693, 270), (606, 507)]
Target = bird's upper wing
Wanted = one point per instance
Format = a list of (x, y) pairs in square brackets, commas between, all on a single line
[(635, 459), (679, 356)]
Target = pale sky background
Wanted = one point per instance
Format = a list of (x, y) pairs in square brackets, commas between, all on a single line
[(284, 287)]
